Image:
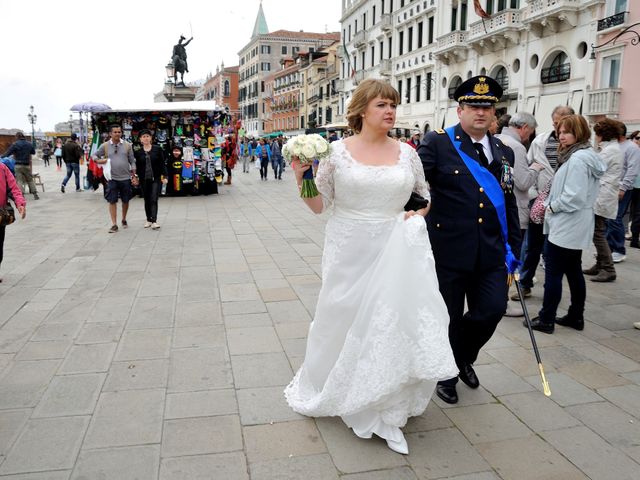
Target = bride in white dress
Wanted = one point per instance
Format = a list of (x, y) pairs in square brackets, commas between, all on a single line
[(379, 340)]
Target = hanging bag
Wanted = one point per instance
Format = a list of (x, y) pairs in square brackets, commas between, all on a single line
[(536, 214), (7, 214)]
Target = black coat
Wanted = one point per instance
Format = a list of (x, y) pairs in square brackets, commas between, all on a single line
[(158, 164), (463, 224)]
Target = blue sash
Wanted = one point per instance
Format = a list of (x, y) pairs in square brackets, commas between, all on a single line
[(493, 190)]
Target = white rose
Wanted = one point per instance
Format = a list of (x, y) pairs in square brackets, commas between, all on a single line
[(308, 151), (297, 150), (321, 146)]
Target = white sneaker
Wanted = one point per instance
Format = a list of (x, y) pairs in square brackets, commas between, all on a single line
[(618, 257), (155, 226), (637, 325), (147, 224)]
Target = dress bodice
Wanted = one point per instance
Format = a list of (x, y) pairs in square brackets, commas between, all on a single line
[(366, 192)]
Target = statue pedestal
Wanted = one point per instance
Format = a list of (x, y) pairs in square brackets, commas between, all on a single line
[(182, 93)]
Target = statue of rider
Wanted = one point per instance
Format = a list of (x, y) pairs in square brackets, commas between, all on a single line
[(181, 52)]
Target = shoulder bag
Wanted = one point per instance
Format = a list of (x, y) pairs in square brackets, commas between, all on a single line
[(536, 214)]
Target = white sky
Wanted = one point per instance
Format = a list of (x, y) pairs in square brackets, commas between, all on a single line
[(56, 54)]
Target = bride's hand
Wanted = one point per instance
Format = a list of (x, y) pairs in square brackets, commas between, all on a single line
[(423, 212), (299, 169)]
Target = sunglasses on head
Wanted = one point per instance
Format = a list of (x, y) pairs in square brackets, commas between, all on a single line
[(116, 148)]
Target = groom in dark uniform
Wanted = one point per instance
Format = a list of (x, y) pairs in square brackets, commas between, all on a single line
[(473, 224)]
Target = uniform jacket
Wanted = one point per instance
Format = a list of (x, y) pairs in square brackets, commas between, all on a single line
[(607, 201), (463, 225), (574, 190)]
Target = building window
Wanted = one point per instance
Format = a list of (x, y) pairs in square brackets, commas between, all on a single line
[(430, 41), (420, 31), (265, 66), (418, 87), (410, 39), (284, 50), (455, 83), (373, 55), (454, 18), (364, 21), (558, 71), (380, 48), (408, 90), (226, 88), (265, 49), (463, 15), (400, 43), (400, 89), (295, 50), (501, 5), (373, 16), (389, 45), (502, 78), (610, 72)]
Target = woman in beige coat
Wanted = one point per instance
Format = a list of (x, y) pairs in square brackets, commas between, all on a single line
[(606, 206)]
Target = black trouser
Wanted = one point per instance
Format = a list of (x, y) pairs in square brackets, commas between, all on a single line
[(635, 215), (59, 161), (486, 294), (2, 229), (151, 191), (535, 245), (560, 261), (264, 165), (45, 158)]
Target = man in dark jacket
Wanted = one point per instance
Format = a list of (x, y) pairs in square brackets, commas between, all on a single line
[(22, 150), (473, 224), (72, 153)]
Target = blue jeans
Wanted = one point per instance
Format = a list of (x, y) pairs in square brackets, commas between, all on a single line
[(75, 169), (615, 228), (535, 244), (561, 261), (277, 164)]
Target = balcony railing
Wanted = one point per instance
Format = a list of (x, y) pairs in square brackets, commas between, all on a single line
[(313, 98), (385, 67), (612, 21), (360, 39), (555, 74), (386, 22), (498, 23), (452, 41), (604, 101), (538, 10)]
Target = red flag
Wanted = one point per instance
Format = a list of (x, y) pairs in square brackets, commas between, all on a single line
[(479, 10)]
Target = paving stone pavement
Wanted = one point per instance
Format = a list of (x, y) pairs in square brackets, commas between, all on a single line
[(163, 355)]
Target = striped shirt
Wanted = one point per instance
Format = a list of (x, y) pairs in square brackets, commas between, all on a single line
[(551, 150)]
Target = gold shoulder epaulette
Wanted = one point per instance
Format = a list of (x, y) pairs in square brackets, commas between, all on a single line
[(440, 131)]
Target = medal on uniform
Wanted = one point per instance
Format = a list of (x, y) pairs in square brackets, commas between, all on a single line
[(506, 176)]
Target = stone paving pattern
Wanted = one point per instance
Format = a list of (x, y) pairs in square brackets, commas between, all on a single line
[(163, 355)]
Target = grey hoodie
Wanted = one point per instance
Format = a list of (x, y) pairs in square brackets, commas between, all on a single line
[(571, 221)]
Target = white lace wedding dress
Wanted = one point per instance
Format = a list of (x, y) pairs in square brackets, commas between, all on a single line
[(379, 339)]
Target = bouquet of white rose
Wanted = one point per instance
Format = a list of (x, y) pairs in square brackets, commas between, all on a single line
[(307, 149)]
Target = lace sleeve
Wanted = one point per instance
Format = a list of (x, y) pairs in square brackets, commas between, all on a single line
[(420, 186), (324, 180)]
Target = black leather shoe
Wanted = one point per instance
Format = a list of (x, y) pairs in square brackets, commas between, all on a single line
[(537, 324), (447, 393), (468, 376), (567, 321)]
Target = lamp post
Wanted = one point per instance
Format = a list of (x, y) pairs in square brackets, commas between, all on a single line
[(169, 89), (634, 41), (33, 118), (70, 123)]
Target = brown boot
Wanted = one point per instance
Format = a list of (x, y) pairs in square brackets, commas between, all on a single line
[(603, 277), (592, 271)]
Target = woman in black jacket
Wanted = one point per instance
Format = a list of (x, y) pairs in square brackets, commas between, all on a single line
[(151, 170)]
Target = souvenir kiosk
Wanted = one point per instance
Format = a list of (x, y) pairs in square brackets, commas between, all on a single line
[(197, 128)]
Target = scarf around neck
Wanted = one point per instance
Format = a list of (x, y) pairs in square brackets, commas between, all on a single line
[(564, 154)]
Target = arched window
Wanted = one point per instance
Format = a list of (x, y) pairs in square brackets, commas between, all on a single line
[(558, 70), (226, 88), (502, 77), (455, 83)]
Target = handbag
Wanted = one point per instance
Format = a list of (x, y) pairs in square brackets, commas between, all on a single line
[(7, 215), (536, 214)]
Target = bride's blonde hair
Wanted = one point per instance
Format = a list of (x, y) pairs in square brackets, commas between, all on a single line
[(367, 91)]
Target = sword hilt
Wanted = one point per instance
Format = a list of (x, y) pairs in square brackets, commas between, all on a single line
[(545, 384)]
